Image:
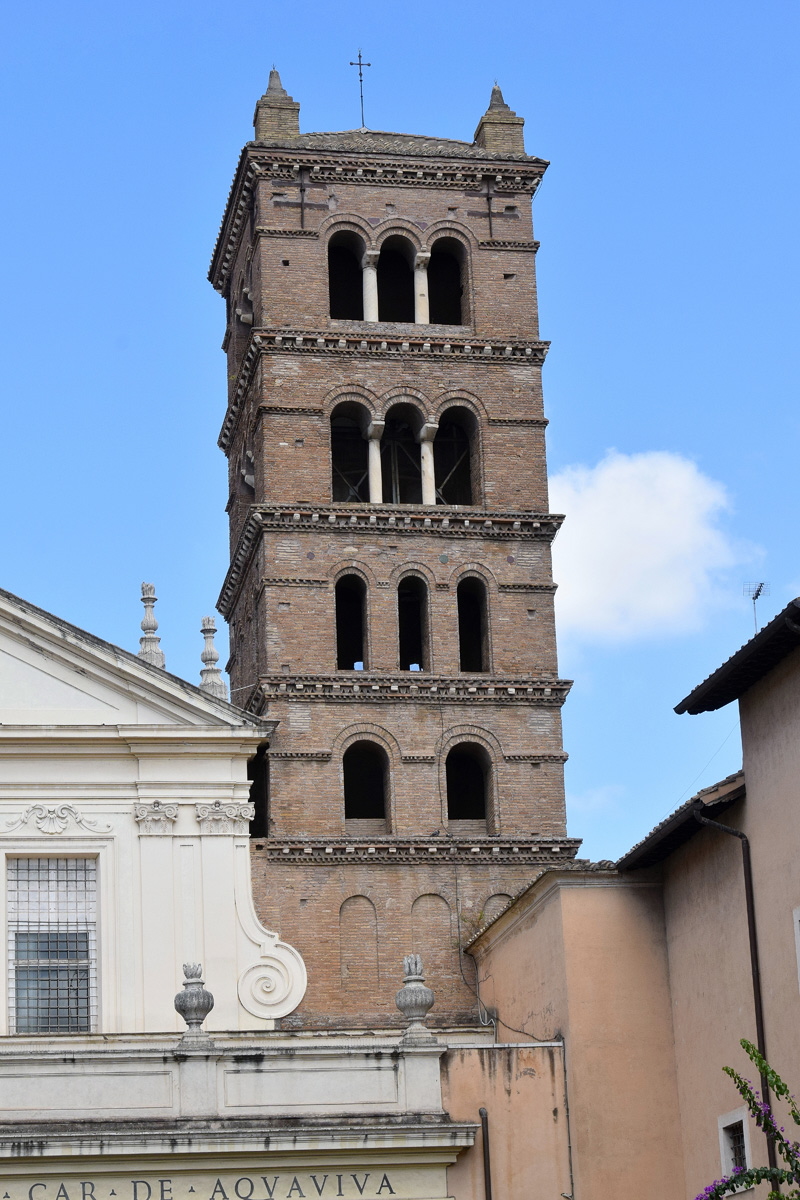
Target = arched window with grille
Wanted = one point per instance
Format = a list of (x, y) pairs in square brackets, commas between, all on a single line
[(349, 454), (401, 465), (455, 457)]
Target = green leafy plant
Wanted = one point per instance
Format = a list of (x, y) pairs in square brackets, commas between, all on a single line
[(763, 1116)]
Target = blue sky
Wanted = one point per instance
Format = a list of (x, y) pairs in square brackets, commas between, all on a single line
[(667, 278)]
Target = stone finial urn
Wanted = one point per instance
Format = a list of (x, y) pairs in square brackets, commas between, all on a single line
[(194, 1003), (415, 1000)]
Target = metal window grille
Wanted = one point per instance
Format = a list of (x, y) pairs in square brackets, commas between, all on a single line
[(736, 1146), (52, 945)]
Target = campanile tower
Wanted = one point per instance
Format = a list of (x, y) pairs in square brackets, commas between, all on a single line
[(390, 596)]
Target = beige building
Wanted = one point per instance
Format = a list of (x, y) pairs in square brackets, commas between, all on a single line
[(648, 969)]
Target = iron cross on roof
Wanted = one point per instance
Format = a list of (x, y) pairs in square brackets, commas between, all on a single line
[(361, 64)]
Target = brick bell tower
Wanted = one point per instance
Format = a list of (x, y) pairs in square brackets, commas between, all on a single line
[(390, 596)]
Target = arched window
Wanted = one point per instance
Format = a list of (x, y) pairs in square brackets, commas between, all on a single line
[(454, 456), (351, 600), (345, 287), (396, 280), (349, 454), (412, 621), (445, 286), (365, 768), (400, 456), (467, 771), (473, 648)]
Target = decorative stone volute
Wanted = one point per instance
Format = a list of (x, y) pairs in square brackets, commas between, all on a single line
[(211, 680), (500, 128), (277, 115), (149, 645), (415, 1000), (194, 1003)]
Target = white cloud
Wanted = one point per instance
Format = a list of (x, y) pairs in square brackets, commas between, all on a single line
[(641, 549)]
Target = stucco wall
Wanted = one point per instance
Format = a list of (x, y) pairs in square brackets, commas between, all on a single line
[(522, 1090), (595, 969)]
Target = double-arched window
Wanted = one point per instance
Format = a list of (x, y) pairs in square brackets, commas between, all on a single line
[(398, 283)]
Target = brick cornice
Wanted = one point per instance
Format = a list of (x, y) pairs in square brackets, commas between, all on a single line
[(373, 343), (387, 519), (418, 851), (362, 167), (508, 244), (365, 687)]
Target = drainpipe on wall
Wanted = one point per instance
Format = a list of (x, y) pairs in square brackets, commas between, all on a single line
[(487, 1165), (754, 967)]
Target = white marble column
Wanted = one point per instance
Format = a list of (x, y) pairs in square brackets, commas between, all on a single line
[(425, 438), (369, 279), (374, 435), (421, 307)]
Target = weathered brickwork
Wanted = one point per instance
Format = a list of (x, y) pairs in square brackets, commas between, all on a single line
[(291, 366), (364, 918)]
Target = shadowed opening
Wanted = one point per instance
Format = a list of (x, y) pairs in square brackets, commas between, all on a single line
[(396, 281), (445, 287), (400, 457), (351, 595), (453, 453), (472, 631), (365, 767), (466, 771), (258, 774), (345, 288), (412, 604), (349, 454)]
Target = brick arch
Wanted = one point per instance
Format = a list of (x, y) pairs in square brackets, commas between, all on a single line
[(470, 733), (476, 570), (359, 963), (432, 936), (462, 399), (355, 392), (394, 227), (492, 907), (347, 223), (365, 731), (406, 395), (448, 227), (353, 567), (409, 567)]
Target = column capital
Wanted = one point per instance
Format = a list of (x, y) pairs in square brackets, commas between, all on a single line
[(375, 430), (428, 431), (421, 260), (370, 259)]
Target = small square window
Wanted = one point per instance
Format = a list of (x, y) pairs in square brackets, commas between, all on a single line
[(734, 1141)]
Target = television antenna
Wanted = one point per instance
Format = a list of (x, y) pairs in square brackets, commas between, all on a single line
[(754, 592), (361, 64)]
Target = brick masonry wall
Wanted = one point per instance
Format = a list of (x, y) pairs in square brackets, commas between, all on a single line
[(354, 923), (351, 911)]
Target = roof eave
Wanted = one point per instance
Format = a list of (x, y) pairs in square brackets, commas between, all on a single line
[(748, 665)]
